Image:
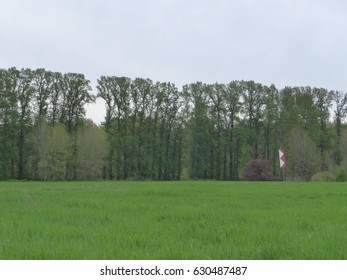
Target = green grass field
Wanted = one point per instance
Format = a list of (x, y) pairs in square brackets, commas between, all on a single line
[(173, 220)]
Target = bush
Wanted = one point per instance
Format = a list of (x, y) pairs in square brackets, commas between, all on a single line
[(323, 177), (258, 170), (341, 175)]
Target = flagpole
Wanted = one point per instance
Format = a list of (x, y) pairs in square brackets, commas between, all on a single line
[(282, 162), (282, 174)]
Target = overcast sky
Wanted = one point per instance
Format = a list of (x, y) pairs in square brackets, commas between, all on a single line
[(281, 42)]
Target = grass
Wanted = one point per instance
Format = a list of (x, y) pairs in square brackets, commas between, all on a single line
[(173, 220)]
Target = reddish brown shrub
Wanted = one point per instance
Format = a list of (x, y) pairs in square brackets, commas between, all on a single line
[(258, 170)]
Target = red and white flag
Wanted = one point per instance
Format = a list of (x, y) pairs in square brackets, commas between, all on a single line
[(282, 158)]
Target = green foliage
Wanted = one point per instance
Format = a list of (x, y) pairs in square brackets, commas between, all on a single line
[(154, 131), (323, 177), (91, 160), (143, 128), (302, 156), (341, 175), (33, 104), (50, 152), (172, 220)]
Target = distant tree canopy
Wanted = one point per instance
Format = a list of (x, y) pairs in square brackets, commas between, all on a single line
[(155, 131)]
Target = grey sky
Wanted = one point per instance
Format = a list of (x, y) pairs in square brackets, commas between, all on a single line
[(284, 42)]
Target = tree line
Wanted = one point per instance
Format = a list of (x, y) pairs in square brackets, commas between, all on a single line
[(154, 131)]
